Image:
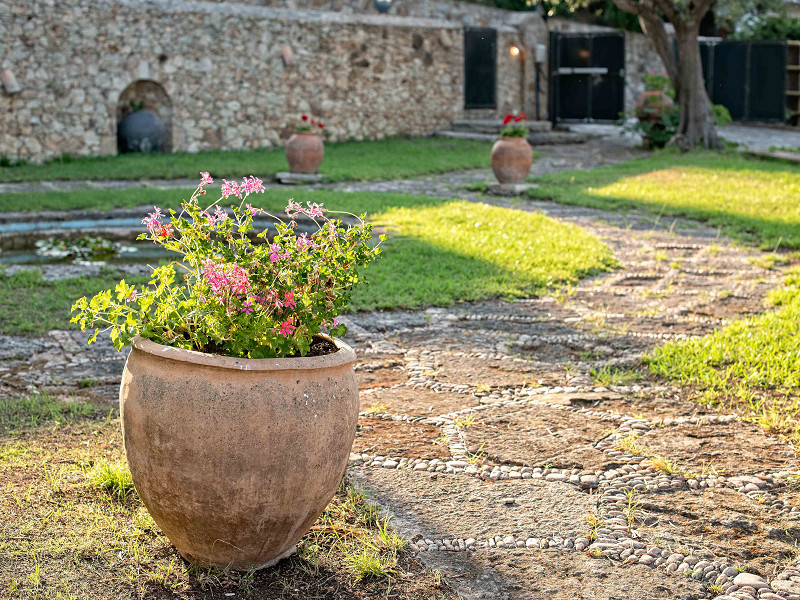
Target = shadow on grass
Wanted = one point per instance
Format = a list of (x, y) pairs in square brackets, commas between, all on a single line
[(752, 200)]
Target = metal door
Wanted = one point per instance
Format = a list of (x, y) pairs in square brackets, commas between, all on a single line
[(480, 68), (747, 78), (587, 76)]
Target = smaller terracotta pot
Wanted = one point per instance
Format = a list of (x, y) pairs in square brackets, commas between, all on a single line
[(651, 105), (305, 152), (512, 158)]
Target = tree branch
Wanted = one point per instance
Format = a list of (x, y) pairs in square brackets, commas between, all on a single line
[(630, 6), (669, 10), (698, 9), (654, 29)]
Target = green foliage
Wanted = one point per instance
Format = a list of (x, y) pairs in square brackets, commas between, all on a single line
[(605, 11), (772, 28), (657, 133), (752, 200), (658, 81), (234, 297)]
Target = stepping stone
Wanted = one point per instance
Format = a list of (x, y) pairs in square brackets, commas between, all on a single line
[(509, 189), (287, 178)]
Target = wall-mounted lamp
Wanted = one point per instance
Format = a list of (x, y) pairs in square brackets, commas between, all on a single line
[(383, 5), (514, 51)]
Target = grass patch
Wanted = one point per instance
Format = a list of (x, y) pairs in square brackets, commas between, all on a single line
[(439, 252), (458, 251), (62, 536), (113, 478), (749, 199), (32, 306), (751, 366), (380, 159), (272, 200), (24, 412), (609, 375)]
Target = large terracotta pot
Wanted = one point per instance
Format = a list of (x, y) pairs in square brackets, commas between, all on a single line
[(651, 105), (305, 152), (236, 458), (512, 158)]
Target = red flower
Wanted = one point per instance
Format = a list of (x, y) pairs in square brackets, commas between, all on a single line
[(313, 122), (518, 119), (320, 125), (523, 116), (304, 117), (508, 119)]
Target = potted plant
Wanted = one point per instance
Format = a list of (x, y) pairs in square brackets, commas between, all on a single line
[(512, 156), (238, 412), (656, 99), (304, 150)]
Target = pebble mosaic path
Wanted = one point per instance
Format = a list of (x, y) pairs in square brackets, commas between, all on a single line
[(505, 461)]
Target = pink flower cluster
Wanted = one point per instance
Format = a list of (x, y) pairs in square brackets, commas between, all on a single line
[(219, 216), (155, 226), (226, 279), (303, 243), (249, 185), (275, 253), (314, 210)]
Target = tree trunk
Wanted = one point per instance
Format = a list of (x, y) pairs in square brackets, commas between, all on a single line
[(697, 125)]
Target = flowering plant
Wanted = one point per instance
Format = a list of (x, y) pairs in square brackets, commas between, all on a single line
[(309, 124), (228, 295), (515, 126)]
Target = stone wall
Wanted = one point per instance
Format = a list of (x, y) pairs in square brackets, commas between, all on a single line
[(236, 76), (640, 56)]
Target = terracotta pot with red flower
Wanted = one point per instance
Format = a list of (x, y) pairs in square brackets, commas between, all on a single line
[(512, 156), (305, 149)]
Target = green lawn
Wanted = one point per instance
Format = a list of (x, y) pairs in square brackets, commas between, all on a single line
[(381, 159), (749, 199), (439, 252), (752, 365)]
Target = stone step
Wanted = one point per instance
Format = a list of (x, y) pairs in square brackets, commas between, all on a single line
[(495, 125), (547, 138)]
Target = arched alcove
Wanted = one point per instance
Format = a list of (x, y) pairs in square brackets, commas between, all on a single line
[(148, 95)]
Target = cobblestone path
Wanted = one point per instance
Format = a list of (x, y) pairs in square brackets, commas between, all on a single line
[(516, 474)]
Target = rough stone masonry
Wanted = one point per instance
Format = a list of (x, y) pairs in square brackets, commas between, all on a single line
[(226, 75)]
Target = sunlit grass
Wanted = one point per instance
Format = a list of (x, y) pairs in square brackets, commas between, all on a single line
[(461, 251), (751, 365), (754, 200)]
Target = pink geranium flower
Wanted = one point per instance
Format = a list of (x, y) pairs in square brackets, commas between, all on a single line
[(287, 328)]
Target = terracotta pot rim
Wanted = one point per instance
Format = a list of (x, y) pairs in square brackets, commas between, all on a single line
[(343, 356), (305, 132), (513, 137)]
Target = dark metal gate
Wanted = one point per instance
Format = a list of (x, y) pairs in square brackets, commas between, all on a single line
[(480, 67), (747, 78), (587, 76)]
